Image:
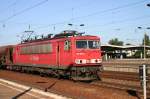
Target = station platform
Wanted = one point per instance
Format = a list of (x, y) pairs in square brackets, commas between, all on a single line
[(11, 90)]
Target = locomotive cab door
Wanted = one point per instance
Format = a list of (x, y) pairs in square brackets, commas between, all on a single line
[(58, 54), (63, 55)]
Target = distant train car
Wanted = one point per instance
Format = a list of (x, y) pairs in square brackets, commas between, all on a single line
[(68, 54), (6, 53)]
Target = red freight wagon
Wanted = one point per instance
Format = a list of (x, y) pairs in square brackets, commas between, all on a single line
[(6, 54), (68, 54)]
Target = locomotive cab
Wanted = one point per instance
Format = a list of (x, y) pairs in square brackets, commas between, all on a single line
[(81, 55), (87, 51), (87, 57)]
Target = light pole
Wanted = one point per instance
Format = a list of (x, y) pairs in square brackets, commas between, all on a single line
[(144, 40)]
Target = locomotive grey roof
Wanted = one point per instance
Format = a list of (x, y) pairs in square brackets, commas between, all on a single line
[(68, 33)]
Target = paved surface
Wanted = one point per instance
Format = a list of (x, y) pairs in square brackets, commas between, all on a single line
[(11, 92)]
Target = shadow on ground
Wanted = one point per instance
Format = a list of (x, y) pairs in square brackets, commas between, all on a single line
[(21, 94)]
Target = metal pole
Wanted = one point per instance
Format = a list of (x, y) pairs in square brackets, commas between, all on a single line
[(144, 46), (144, 81)]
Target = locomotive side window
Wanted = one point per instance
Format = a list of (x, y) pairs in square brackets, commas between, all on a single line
[(67, 45), (29, 49), (22, 50), (43, 48), (36, 49), (48, 48)]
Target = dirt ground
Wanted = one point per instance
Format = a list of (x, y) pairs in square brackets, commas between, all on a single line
[(76, 90)]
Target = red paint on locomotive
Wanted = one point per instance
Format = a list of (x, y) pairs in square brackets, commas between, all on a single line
[(62, 52)]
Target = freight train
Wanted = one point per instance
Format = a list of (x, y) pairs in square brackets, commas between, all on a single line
[(68, 54)]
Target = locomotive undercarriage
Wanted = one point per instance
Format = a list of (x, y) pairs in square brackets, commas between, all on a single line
[(85, 73), (77, 73)]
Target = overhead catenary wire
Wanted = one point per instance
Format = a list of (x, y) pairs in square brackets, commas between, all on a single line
[(96, 13), (44, 26), (9, 6), (120, 21), (75, 18), (14, 3), (79, 6), (24, 10), (111, 9)]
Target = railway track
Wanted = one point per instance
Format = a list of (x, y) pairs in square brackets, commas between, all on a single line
[(123, 81), (66, 87), (124, 73), (120, 75), (125, 65)]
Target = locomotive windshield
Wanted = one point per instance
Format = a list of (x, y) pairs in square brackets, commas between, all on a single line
[(87, 44)]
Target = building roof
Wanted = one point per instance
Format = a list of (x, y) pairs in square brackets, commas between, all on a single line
[(109, 47)]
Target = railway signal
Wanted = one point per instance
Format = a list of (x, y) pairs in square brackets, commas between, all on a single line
[(143, 73)]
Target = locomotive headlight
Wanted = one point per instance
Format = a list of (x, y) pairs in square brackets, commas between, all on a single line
[(99, 60), (84, 61), (92, 60), (96, 61), (80, 61)]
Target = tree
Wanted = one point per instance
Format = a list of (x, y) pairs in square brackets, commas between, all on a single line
[(115, 41), (147, 40)]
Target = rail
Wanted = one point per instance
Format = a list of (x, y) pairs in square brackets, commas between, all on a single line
[(120, 68)]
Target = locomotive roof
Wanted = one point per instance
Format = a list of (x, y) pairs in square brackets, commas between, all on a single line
[(63, 34)]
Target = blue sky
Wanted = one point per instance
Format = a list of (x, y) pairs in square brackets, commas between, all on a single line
[(105, 18)]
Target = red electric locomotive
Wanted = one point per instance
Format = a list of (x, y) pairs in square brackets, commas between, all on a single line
[(68, 54)]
